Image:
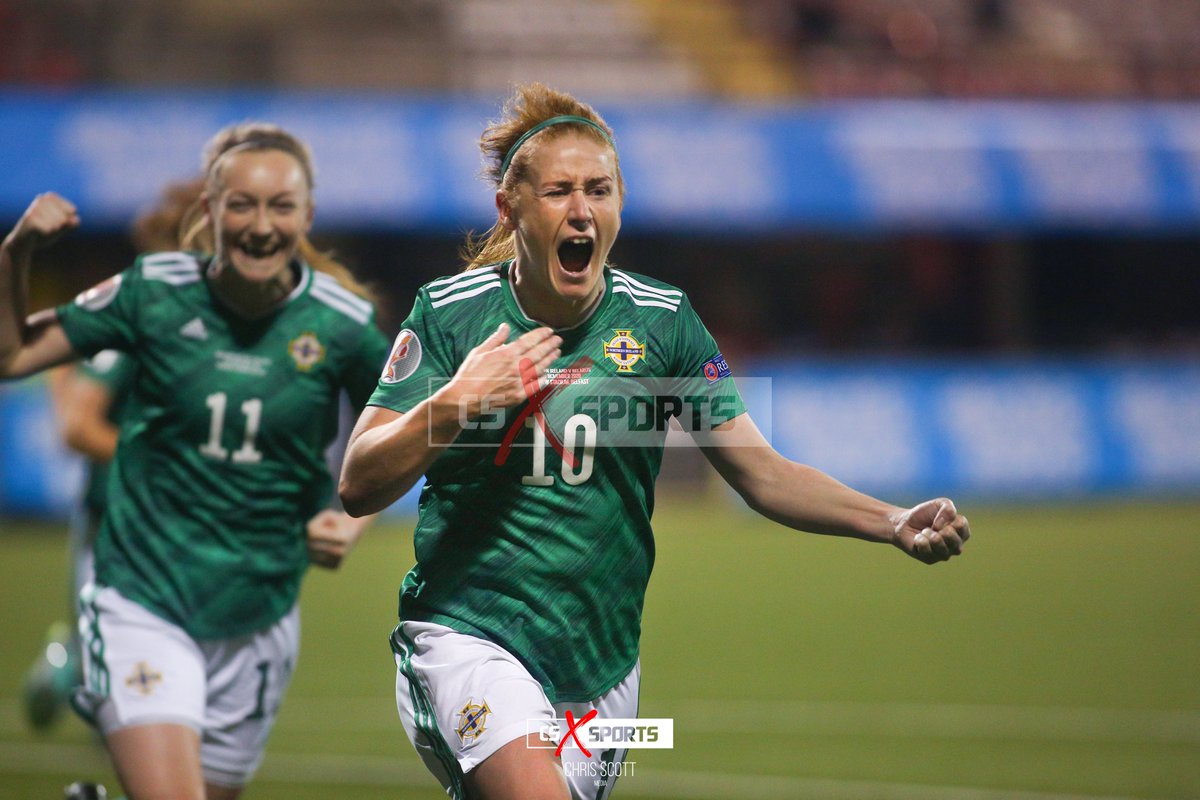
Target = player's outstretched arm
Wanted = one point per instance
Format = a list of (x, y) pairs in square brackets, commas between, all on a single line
[(807, 499), (31, 345), (390, 450)]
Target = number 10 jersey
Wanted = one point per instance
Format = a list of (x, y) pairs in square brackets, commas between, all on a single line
[(534, 528)]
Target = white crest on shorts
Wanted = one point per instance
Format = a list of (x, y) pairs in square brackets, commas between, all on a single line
[(404, 358), (99, 295), (471, 720)]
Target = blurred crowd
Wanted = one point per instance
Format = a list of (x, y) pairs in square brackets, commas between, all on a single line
[(1085, 49), (815, 48), (827, 292)]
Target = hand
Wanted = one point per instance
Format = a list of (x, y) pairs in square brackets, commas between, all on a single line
[(331, 535), (932, 531), (48, 217), (498, 371)]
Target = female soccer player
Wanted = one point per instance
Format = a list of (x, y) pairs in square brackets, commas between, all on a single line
[(534, 545), (89, 399), (217, 499)]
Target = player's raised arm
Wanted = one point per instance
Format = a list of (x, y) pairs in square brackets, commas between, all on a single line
[(807, 499), (390, 450), (31, 345)]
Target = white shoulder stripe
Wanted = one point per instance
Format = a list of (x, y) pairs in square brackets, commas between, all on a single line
[(338, 303), (638, 301), (329, 284), (173, 261), (462, 285), (468, 274), (173, 278), (645, 295), (169, 269), (664, 293), (632, 292), (454, 298)]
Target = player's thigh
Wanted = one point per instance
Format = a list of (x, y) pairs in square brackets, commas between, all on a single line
[(248, 677), (158, 760), (520, 770), (139, 669), (593, 774), (461, 699), (144, 689)]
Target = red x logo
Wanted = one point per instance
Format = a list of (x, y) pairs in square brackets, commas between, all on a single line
[(572, 727), (538, 397)]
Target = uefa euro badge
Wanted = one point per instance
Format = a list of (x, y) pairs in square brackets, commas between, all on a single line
[(624, 350), (470, 721), (306, 350), (404, 358), (143, 678)]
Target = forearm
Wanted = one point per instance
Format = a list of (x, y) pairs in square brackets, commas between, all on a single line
[(97, 442), (14, 289), (384, 461), (807, 499)]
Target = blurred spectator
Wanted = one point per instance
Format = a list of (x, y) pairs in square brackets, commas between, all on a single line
[(35, 48)]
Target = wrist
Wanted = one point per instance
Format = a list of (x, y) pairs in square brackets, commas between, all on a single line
[(895, 520), (448, 410), (18, 242)]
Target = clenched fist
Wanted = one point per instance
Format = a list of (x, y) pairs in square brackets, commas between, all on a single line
[(49, 216)]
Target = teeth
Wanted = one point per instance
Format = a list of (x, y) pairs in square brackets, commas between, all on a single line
[(580, 240)]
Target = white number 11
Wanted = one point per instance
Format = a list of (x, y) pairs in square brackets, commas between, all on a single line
[(247, 453)]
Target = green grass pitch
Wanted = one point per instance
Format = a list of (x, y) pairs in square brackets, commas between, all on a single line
[(1059, 658)]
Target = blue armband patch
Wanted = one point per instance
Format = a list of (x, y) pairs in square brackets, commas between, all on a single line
[(715, 368)]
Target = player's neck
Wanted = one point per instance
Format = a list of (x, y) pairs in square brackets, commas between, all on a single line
[(250, 299), (547, 307)]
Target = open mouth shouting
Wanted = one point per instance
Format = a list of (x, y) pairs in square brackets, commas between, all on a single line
[(575, 254)]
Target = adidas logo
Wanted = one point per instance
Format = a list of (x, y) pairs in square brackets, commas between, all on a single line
[(194, 330)]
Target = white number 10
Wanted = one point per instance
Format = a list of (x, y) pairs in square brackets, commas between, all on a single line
[(584, 457), (247, 453)]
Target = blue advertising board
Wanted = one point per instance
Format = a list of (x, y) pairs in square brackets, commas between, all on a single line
[(1014, 430), (408, 162), (1030, 429)]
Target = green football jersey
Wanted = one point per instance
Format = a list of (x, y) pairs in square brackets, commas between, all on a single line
[(220, 461), (534, 528), (114, 371)]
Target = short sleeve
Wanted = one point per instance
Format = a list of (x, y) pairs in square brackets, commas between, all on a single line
[(701, 369), (418, 363), (110, 368), (104, 317), (362, 372)]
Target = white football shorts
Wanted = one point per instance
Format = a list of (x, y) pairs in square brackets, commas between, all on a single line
[(140, 669), (461, 698)]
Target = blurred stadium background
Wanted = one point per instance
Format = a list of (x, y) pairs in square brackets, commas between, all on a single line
[(959, 237)]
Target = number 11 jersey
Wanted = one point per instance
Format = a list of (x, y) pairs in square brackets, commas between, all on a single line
[(220, 461)]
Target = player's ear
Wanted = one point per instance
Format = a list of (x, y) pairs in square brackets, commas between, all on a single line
[(504, 211), (207, 206)]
